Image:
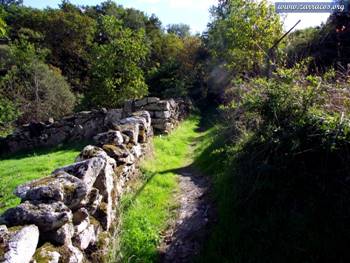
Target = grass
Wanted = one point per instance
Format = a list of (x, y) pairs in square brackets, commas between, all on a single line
[(148, 209), (20, 168)]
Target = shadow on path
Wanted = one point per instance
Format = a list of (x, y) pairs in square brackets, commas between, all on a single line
[(183, 240)]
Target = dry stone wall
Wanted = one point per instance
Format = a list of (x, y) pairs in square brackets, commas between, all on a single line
[(84, 125), (71, 215)]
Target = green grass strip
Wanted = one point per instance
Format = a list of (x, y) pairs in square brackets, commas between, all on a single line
[(148, 209)]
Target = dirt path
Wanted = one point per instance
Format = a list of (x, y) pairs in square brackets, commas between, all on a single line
[(183, 240)]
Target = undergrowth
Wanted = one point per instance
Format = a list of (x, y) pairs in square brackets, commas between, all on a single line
[(280, 168)]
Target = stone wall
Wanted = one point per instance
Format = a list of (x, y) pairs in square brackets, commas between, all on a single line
[(84, 125), (71, 215)]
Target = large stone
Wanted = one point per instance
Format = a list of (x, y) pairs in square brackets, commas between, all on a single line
[(173, 103), (162, 105), (137, 151), (3, 233), (162, 114), (140, 103), (138, 119), (48, 254), (93, 151), (87, 170), (89, 152), (59, 187), (111, 137), (20, 245), (144, 115), (104, 182), (152, 100), (116, 152), (92, 201), (143, 118), (63, 254), (82, 226), (163, 128), (74, 255), (159, 121), (46, 216), (61, 236), (83, 239), (131, 130), (101, 248), (120, 153), (113, 116)]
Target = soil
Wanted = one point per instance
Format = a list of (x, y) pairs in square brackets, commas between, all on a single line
[(183, 240)]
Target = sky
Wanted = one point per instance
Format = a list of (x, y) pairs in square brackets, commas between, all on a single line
[(192, 12)]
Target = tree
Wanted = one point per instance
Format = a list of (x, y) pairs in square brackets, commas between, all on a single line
[(181, 30), (11, 2), (242, 33), (116, 73), (180, 72), (67, 32), (8, 114), (39, 91)]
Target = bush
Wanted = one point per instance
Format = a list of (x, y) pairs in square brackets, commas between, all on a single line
[(8, 114), (40, 91), (284, 194), (116, 73)]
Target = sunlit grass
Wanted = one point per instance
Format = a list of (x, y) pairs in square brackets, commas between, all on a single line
[(21, 168), (149, 208)]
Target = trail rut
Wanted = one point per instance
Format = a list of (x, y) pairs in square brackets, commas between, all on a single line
[(183, 240)]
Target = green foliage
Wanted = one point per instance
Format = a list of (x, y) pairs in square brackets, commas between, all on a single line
[(181, 30), (109, 53), (116, 75), (299, 44), (67, 33), (282, 182), (241, 34), (8, 114), (2, 28), (180, 71), (11, 2), (39, 91)]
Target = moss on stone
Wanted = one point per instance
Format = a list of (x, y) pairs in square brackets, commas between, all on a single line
[(94, 221), (103, 240), (14, 229), (42, 255)]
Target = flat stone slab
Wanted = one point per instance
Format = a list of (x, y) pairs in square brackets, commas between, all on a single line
[(60, 187), (46, 216)]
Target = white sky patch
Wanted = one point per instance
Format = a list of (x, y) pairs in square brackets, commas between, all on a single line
[(152, 2), (192, 12), (193, 4)]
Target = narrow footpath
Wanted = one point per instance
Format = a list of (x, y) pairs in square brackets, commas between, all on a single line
[(183, 240)]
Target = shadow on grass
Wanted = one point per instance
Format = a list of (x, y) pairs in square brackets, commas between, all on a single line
[(136, 194)]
